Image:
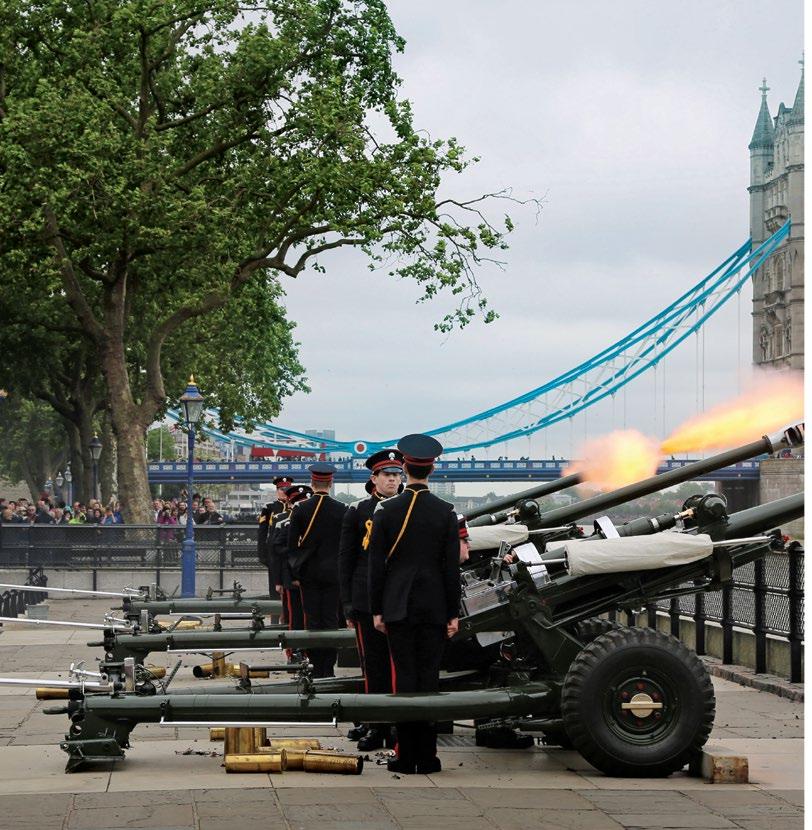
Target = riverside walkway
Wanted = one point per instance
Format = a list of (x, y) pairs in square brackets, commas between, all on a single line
[(173, 779)]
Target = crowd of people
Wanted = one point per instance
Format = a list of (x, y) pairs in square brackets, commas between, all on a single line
[(48, 511), (175, 511)]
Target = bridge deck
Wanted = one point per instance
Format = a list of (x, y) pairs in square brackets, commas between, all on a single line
[(349, 471)]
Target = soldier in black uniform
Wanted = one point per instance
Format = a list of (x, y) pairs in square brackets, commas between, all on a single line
[(265, 535), (314, 531), (279, 566), (353, 554), (414, 592)]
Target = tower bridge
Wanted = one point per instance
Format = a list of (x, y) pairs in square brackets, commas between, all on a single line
[(354, 472)]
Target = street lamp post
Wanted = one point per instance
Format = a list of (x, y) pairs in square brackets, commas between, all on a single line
[(69, 482), (192, 402), (59, 482), (95, 447)]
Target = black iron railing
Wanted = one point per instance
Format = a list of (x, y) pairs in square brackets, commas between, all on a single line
[(14, 600), (766, 597), (129, 546)]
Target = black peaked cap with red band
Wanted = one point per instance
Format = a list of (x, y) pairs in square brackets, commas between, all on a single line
[(385, 461), (298, 492), (322, 473), (283, 481), (421, 450), (463, 526)]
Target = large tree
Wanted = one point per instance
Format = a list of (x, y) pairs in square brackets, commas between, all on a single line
[(161, 157)]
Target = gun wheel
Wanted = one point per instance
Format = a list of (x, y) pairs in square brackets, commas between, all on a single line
[(636, 702), (587, 630)]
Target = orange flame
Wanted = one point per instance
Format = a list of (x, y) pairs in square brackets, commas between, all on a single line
[(771, 403), (616, 460)]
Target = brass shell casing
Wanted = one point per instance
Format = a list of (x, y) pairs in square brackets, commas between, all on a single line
[(295, 743), (244, 740), (254, 762), (47, 693), (219, 668), (324, 761), (156, 671), (183, 625), (295, 757)]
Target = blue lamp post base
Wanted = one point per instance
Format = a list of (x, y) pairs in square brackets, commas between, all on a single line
[(188, 561)]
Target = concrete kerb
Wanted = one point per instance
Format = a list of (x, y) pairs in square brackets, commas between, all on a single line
[(747, 677)]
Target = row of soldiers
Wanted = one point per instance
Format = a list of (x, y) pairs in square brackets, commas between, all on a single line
[(388, 566)]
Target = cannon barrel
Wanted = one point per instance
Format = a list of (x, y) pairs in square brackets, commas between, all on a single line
[(133, 607), (488, 514), (790, 437), (177, 709), (764, 517)]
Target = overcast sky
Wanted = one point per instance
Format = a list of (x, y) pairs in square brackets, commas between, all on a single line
[(631, 120)]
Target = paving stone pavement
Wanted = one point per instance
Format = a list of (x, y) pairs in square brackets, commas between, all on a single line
[(161, 786)]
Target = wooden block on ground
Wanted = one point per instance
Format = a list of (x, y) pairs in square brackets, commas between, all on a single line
[(718, 765)]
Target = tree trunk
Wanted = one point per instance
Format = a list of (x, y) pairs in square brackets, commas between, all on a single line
[(85, 478), (107, 464), (74, 491), (132, 473), (130, 434)]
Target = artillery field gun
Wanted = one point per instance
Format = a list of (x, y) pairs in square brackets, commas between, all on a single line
[(632, 701)]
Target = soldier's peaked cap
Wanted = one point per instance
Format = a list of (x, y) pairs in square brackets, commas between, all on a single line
[(297, 492), (322, 472), (283, 481), (462, 525), (385, 461), (420, 449)]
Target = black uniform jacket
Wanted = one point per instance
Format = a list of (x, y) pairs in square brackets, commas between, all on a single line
[(314, 530), (353, 553), (419, 580), (278, 550), (271, 509)]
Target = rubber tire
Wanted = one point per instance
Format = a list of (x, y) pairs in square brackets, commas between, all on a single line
[(590, 677), (587, 630)]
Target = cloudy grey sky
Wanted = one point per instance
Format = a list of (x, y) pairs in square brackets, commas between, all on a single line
[(631, 119)]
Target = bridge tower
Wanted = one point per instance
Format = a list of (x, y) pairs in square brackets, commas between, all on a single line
[(777, 193)]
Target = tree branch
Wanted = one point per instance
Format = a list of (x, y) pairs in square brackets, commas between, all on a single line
[(76, 297)]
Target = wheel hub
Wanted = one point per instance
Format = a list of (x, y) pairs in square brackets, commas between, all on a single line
[(641, 707)]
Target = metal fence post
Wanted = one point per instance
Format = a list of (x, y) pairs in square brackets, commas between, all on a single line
[(673, 616), (760, 615), (795, 596), (699, 621), (727, 624), (222, 554)]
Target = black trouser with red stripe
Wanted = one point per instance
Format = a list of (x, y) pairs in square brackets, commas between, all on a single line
[(272, 594), (293, 607), (320, 604), (417, 652), (373, 647)]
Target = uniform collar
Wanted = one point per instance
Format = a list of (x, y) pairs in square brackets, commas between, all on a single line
[(416, 487)]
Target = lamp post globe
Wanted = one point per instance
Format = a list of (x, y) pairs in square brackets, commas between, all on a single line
[(95, 447), (59, 481), (192, 402), (69, 482)]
